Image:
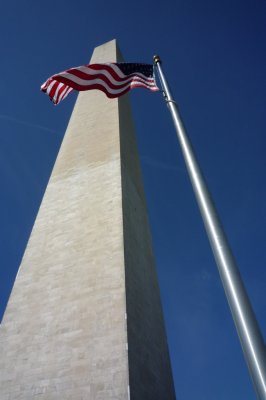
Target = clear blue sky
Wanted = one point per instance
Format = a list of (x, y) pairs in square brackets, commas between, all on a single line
[(214, 55)]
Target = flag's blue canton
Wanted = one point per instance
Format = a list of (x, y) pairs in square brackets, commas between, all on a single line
[(131, 68)]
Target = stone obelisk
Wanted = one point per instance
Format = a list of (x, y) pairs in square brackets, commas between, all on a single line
[(84, 319)]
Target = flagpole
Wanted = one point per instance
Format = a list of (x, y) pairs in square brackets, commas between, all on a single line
[(245, 321)]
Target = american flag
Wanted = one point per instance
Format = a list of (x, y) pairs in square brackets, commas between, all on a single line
[(114, 79)]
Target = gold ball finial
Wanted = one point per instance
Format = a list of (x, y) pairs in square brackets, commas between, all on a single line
[(156, 59)]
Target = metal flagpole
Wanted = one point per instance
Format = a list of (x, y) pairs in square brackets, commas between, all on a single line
[(245, 321)]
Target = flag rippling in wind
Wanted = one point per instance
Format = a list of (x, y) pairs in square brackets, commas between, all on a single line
[(114, 79)]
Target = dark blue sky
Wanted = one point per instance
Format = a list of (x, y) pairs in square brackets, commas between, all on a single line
[(214, 55)]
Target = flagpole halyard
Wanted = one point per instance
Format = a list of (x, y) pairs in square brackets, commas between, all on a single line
[(243, 315)]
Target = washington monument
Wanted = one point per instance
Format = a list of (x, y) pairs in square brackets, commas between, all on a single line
[(84, 320)]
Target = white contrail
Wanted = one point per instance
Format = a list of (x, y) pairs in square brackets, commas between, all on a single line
[(158, 164), (21, 122)]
